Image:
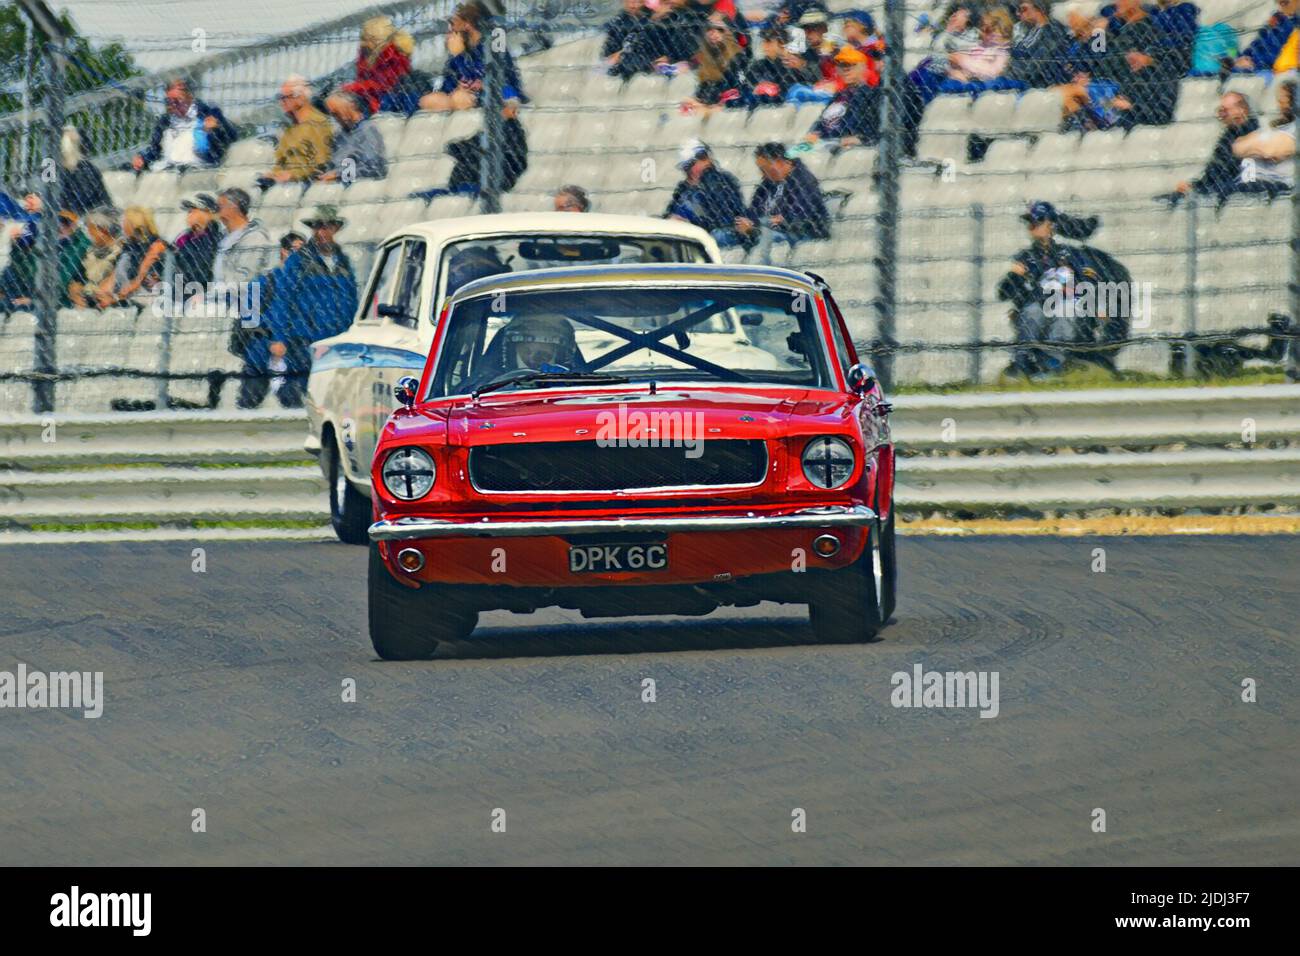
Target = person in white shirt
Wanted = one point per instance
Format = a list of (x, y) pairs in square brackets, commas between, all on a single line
[(189, 133), (1268, 155)]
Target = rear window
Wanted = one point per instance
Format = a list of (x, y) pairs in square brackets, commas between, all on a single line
[(472, 259)]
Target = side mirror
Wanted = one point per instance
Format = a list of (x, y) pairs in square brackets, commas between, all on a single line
[(861, 378), (394, 312), (404, 390)]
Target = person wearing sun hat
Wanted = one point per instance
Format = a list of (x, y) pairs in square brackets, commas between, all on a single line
[(316, 297)]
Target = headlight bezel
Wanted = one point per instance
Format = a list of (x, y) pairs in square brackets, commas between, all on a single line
[(814, 453), (427, 469)]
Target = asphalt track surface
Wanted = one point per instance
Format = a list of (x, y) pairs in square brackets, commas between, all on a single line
[(1119, 690)]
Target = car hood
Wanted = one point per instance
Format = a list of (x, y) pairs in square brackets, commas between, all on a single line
[(697, 411)]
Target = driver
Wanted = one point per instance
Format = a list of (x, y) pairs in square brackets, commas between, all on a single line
[(533, 341)]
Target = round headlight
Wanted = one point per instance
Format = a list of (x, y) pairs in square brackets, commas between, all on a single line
[(408, 473), (828, 461)]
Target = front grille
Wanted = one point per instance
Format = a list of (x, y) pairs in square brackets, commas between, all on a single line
[(586, 466)]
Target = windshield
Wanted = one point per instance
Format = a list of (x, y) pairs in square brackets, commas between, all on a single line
[(766, 336), (472, 259)]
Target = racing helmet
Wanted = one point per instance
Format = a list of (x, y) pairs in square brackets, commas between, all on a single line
[(476, 262), (531, 341)]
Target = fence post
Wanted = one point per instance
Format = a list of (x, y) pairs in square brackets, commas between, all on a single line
[(47, 290), (169, 319), (891, 155), (492, 136), (977, 294), (1190, 299), (1291, 363)]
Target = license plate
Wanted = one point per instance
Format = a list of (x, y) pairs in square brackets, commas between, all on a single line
[(589, 558)]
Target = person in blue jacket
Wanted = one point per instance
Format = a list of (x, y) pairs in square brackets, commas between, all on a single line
[(189, 133), (315, 297), (1272, 36), (461, 85)]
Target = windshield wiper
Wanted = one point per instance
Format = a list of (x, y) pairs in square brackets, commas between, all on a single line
[(531, 377)]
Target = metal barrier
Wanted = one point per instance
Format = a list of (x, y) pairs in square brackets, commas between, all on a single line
[(1001, 455)]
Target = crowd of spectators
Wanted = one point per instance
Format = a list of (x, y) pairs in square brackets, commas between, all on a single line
[(1120, 68)]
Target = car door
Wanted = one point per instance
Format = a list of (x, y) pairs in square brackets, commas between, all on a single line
[(394, 308), (356, 373)]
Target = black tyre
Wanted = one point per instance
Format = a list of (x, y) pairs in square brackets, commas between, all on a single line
[(888, 567), (349, 508), (407, 624), (845, 607)]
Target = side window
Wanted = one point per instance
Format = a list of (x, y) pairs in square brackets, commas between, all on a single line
[(384, 286), (408, 295)]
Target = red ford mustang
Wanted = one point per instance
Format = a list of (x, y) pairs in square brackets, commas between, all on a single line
[(662, 439)]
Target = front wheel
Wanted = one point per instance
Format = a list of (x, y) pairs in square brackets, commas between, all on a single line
[(349, 508), (846, 604), (407, 624)]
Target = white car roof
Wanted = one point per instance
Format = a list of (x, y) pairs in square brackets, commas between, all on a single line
[(440, 231)]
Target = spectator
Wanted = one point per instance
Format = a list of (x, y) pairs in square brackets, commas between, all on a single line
[(140, 265), (189, 133), (1046, 267), (818, 51), (1223, 171), (790, 12), (1134, 62), (1267, 45), (720, 68), (18, 281), (81, 187), (1038, 45), (1267, 156), (304, 148), (1086, 94), (988, 59), (958, 34), (707, 196), (100, 259), (383, 59), (248, 339), (773, 74), (1178, 23), (242, 251), (358, 151), (462, 77), (620, 31), (665, 39), (853, 117), (467, 174), (859, 29), (572, 199), (786, 207), (314, 297), (196, 247)]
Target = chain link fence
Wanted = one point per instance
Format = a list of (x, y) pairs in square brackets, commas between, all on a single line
[(993, 191)]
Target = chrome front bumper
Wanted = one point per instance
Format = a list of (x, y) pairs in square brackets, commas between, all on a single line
[(829, 516)]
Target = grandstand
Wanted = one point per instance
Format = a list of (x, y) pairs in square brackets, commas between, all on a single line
[(1210, 268)]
